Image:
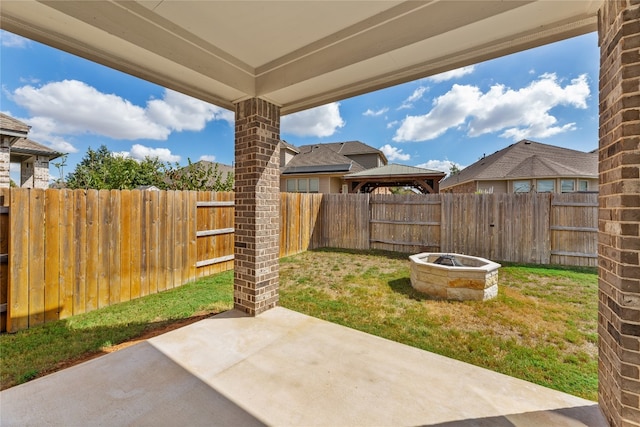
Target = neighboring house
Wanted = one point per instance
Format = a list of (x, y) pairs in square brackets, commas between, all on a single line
[(320, 168), (528, 166), (15, 147)]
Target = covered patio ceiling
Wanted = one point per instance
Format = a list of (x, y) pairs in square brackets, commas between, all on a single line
[(293, 54)]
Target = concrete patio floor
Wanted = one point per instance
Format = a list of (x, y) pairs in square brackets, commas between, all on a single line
[(284, 368)]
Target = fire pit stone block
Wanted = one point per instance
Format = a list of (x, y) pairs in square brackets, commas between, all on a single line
[(476, 280)]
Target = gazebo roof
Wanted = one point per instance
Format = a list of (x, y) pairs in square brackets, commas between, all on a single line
[(394, 175)]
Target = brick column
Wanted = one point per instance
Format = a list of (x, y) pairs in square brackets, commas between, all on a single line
[(257, 196), (26, 173), (5, 163), (619, 213)]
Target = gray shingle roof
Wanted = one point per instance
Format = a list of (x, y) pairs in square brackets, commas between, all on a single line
[(27, 146), (528, 159), (11, 126), (320, 158)]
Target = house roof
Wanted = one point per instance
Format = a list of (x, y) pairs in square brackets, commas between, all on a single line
[(13, 127), (320, 158), (394, 170), (285, 144), (32, 148), (528, 159)]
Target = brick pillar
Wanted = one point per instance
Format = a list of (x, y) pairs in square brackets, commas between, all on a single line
[(5, 163), (257, 196), (619, 213)]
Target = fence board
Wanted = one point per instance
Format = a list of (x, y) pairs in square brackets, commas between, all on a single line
[(93, 245), (18, 296), (79, 251), (162, 241), (125, 245), (104, 212), (153, 240), (67, 264), (36, 257), (136, 244), (113, 231)]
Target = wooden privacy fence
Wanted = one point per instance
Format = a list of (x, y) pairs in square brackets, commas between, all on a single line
[(529, 228), (66, 252)]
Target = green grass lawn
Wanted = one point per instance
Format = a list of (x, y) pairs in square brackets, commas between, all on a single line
[(43, 349), (541, 328)]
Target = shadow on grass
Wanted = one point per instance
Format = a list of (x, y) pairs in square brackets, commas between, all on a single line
[(403, 286), (47, 348), (371, 252)]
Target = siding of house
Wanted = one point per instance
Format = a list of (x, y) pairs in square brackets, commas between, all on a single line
[(369, 161), (468, 187), (493, 187)]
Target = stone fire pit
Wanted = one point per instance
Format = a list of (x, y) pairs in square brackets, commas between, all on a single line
[(454, 276)]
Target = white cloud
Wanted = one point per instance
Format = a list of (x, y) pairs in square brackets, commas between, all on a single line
[(181, 112), (416, 95), (440, 165), (372, 113), (522, 113), (392, 124), (8, 39), (320, 121), (71, 107), (140, 152), (453, 74), (43, 131), (394, 153), (208, 158)]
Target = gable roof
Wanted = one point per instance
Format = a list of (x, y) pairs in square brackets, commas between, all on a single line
[(13, 127), (32, 148), (329, 157), (320, 158), (394, 169), (528, 159)]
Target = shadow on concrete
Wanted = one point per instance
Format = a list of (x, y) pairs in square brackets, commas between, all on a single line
[(135, 386), (589, 416)]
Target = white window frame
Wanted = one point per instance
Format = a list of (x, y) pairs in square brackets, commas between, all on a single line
[(586, 185)]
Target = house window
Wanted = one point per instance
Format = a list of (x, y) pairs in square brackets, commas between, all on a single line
[(521, 186), (303, 185), (546, 186), (583, 185), (567, 186)]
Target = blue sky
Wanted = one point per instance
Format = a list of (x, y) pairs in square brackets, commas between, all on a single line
[(548, 94)]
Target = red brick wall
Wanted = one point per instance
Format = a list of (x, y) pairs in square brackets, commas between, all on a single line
[(619, 212), (257, 212)]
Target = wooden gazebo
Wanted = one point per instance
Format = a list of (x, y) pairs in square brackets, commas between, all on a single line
[(424, 180)]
